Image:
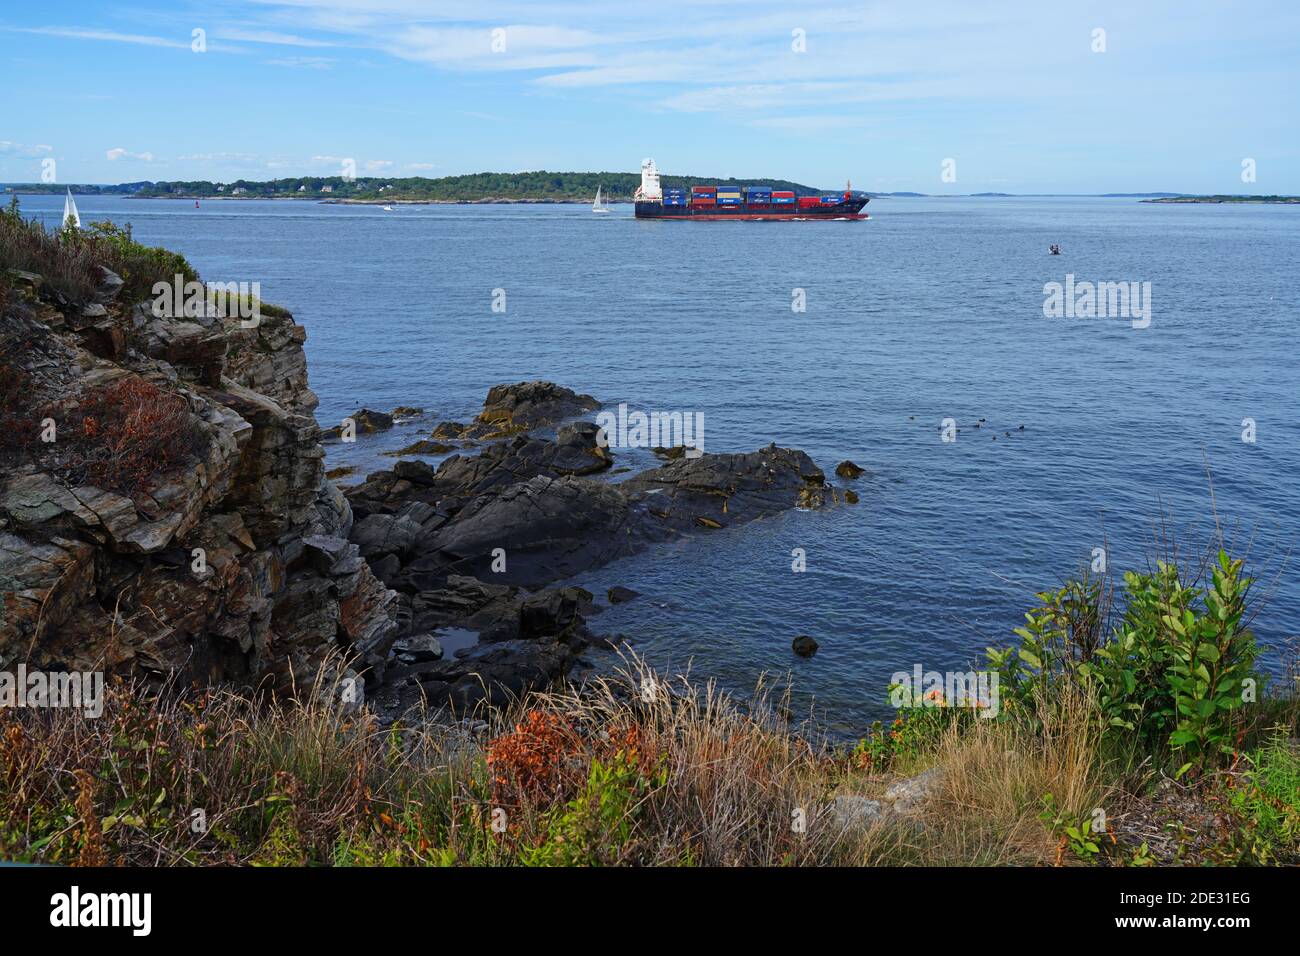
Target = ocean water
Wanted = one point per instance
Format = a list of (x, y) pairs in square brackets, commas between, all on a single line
[(931, 310)]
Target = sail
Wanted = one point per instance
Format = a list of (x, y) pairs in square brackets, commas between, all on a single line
[(596, 204), (70, 211)]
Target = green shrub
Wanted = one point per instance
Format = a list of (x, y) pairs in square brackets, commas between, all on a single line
[(1169, 677), (595, 827)]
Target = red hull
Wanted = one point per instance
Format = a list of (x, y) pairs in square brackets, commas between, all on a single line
[(777, 216)]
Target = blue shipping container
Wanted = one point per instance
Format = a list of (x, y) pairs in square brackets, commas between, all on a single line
[(783, 201), (728, 201)]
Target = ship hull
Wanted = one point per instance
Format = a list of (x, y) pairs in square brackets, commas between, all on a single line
[(850, 210)]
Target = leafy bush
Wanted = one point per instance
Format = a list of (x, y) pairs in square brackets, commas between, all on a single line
[(138, 265), (1168, 678), (595, 828)]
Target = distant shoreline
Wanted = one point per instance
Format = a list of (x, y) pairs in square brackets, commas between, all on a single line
[(1253, 200)]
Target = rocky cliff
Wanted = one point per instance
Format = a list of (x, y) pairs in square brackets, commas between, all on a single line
[(164, 511), (163, 505)]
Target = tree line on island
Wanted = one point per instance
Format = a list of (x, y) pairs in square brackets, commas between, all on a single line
[(540, 186)]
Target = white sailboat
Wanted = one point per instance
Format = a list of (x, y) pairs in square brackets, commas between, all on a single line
[(597, 206), (70, 211)]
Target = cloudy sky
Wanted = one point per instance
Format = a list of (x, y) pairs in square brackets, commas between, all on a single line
[(1023, 97)]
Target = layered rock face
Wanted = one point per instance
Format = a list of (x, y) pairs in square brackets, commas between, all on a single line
[(230, 564)]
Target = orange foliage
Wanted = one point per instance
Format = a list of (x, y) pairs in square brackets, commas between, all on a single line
[(532, 759), (131, 433)]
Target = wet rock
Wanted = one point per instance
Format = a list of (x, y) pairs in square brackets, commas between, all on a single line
[(421, 447), (621, 595), (804, 646), (549, 529), (524, 406), (417, 649), (369, 421), (847, 469), (850, 496), (449, 430), (727, 489)]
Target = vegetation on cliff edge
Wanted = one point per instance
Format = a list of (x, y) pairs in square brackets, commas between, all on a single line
[(1082, 765)]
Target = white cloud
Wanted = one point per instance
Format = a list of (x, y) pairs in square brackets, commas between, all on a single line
[(375, 165), (303, 62), (270, 36), (22, 149), (78, 33), (118, 152)]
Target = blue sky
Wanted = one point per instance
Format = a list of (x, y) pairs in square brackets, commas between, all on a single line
[(883, 93)]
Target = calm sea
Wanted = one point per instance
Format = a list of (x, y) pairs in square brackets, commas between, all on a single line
[(932, 310)]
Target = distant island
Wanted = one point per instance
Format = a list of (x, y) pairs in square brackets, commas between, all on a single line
[(1285, 200), (537, 187)]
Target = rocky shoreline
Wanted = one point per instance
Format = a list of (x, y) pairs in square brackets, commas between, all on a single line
[(483, 543), (248, 566)]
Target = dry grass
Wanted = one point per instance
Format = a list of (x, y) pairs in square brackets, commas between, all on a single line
[(71, 261), (604, 775)]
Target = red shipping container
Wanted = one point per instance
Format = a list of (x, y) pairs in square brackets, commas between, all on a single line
[(807, 202), (701, 201), (782, 195)]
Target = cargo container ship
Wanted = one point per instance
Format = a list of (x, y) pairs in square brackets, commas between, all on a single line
[(716, 203)]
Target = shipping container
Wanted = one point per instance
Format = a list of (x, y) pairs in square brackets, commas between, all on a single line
[(782, 200), (783, 193), (807, 201), (728, 201), (704, 189), (703, 202), (831, 200)]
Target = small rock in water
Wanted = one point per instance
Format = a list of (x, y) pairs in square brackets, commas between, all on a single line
[(848, 469), (620, 595), (804, 646), (850, 496)]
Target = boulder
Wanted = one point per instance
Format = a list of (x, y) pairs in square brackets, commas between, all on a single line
[(804, 646), (524, 406), (621, 595)]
